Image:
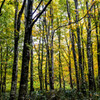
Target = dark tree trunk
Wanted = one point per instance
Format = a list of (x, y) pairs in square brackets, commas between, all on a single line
[(89, 54), (73, 47), (16, 39), (46, 43), (26, 53), (51, 70), (1, 73), (79, 48), (98, 47), (46, 73), (83, 57), (70, 71), (26, 48)]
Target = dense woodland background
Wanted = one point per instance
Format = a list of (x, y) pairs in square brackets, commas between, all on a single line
[(50, 49)]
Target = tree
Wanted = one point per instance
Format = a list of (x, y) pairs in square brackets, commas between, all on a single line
[(16, 39), (26, 49), (73, 46)]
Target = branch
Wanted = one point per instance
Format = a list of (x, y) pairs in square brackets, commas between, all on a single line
[(19, 15), (1, 6), (40, 13), (37, 7), (78, 20)]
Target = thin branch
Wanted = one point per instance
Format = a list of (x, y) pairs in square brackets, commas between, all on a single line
[(1, 6), (20, 14), (78, 20), (40, 13), (37, 7)]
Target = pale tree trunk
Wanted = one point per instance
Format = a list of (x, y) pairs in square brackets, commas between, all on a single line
[(58, 33), (4, 78), (31, 67)]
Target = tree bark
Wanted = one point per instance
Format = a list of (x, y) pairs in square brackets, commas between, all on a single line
[(26, 53), (73, 46), (79, 48), (98, 48), (31, 67), (51, 70), (89, 54), (17, 24)]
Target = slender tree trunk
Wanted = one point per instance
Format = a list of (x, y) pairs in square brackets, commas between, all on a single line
[(89, 54), (46, 73), (1, 73), (79, 48), (16, 39), (46, 43), (31, 68), (15, 66), (70, 71), (4, 79), (51, 70), (58, 33), (98, 47), (73, 47), (83, 57), (39, 63)]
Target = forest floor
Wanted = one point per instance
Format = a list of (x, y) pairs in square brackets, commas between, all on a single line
[(59, 95)]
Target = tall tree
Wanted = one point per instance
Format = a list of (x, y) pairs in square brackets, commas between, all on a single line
[(73, 46), (79, 46), (98, 48), (89, 53), (51, 68), (16, 39), (26, 49)]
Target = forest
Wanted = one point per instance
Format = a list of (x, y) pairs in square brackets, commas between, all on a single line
[(49, 49)]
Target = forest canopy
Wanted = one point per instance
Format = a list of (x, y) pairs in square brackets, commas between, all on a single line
[(49, 49)]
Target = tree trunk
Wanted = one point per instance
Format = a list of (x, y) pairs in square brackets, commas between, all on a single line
[(16, 39), (1, 74), (98, 44), (26, 53), (58, 33), (79, 48), (51, 70), (4, 79), (31, 67), (73, 46), (89, 54)]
